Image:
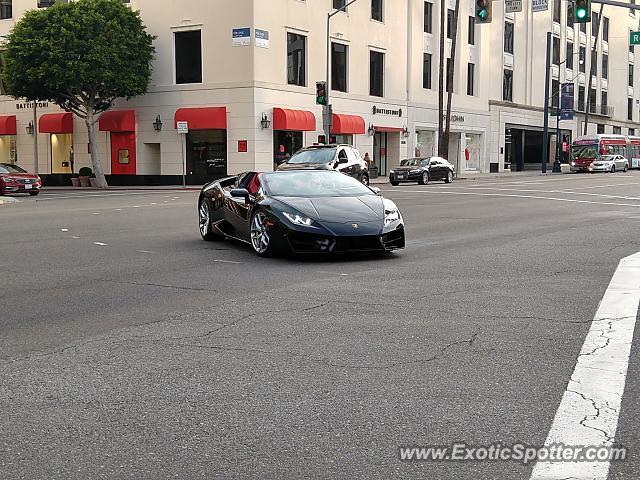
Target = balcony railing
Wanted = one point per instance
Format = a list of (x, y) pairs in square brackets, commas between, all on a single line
[(596, 109)]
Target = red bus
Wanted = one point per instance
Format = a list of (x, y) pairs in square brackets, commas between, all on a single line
[(584, 150), (634, 152)]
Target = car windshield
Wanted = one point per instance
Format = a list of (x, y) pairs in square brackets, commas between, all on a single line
[(313, 184), (313, 155), (8, 168), (410, 162), (608, 158), (584, 151)]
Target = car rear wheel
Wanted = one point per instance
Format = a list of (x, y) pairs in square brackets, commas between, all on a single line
[(613, 169), (365, 179), (424, 179), (204, 222), (33, 194), (626, 167), (449, 177), (394, 184), (261, 240)]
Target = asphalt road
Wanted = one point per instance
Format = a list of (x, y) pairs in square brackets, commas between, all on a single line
[(130, 348)]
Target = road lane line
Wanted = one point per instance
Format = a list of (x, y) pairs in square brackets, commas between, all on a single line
[(100, 244), (568, 192), (589, 410), (228, 261)]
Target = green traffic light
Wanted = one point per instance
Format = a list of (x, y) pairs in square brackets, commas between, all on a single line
[(482, 14), (581, 13)]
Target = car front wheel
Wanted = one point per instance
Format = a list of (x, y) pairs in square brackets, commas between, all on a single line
[(365, 179), (626, 167), (424, 179), (33, 194), (613, 169), (449, 177), (261, 240)]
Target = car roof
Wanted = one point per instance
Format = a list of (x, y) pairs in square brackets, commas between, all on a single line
[(331, 145)]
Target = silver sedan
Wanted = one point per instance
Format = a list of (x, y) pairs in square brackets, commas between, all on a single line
[(610, 163)]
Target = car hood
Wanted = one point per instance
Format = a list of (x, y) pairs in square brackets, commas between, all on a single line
[(366, 208), (19, 175), (407, 168), (304, 166)]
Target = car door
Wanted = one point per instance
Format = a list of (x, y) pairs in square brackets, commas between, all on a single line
[(238, 209), (620, 162), (435, 168)]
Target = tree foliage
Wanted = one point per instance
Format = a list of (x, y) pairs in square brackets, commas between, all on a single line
[(80, 55)]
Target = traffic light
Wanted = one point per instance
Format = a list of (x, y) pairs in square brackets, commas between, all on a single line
[(583, 11), (321, 93), (483, 11)]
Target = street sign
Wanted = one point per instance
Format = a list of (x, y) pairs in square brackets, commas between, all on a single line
[(539, 5), (183, 127), (566, 101), (634, 38), (512, 6)]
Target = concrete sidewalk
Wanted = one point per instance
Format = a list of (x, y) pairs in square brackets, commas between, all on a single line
[(476, 176)]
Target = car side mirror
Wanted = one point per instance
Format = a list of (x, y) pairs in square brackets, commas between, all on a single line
[(375, 190), (241, 193)]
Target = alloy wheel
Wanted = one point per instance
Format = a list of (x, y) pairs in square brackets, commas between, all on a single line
[(203, 214), (259, 234)]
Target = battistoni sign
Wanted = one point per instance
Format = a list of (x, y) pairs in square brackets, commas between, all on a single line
[(21, 106), (387, 111)]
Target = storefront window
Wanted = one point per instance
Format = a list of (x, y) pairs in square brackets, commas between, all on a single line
[(206, 155), (61, 152), (426, 146), (8, 150), (285, 144), (472, 152), (342, 139)]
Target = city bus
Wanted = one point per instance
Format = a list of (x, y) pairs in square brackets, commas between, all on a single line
[(584, 150), (634, 152)]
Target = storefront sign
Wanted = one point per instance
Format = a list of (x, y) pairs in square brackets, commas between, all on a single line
[(511, 6), (241, 37), (454, 118), (30, 105), (183, 127), (539, 5), (262, 38), (242, 146), (387, 111)]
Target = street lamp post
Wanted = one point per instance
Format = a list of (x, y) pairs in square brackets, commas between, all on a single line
[(328, 110)]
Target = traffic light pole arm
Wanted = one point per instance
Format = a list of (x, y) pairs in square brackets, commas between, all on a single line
[(630, 6)]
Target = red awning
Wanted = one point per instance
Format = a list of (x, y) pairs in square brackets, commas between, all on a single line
[(206, 118), (296, 120), (56, 123), (8, 125), (388, 129), (347, 124), (118, 121)]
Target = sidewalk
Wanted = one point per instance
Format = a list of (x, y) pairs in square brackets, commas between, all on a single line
[(475, 176)]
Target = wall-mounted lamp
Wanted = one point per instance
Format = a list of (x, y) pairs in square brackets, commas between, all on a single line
[(405, 132), (265, 122), (30, 128), (157, 125), (372, 130)]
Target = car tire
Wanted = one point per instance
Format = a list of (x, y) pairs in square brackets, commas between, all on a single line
[(204, 222), (626, 167), (449, 177), (261, 242), (33, 194), (424, 179), (365, 179), (613, 169), (394, 184)]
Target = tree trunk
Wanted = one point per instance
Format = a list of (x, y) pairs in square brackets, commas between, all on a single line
[(95, 158), (589, 82), (450, 75), (441, 150)]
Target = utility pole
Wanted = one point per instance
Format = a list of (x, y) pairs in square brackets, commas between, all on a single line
[(35, 137), (443, 11), (587, 92), (545, 140)]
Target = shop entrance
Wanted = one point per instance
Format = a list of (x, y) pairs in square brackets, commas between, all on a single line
[(123, 153), (206, 156), (62, 159), (8, 149), (379, 168), (285, 144)]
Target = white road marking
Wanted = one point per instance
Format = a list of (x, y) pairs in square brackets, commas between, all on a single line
[(118, 209), (228, 261), (64, 229), (100, 244), (589, 410), (568, 192), (75, 237), (334, 273), (146, 251), (96, 213)]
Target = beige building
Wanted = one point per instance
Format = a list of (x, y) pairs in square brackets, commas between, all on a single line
[(242, 75)]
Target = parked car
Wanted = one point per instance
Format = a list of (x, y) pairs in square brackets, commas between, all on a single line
[(422, 170), (300, 212), (610, 163), (343, 158), (14, 179)]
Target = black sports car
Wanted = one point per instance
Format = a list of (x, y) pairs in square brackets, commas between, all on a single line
[(422, 170), (313, 211)]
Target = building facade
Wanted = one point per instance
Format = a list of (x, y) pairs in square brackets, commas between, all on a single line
[(242, 75)]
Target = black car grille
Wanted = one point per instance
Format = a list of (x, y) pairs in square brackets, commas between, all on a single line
[(393, 239), (25, 181), (309, 243)]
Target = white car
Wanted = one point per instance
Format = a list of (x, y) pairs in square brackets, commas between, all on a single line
[(610, 163)]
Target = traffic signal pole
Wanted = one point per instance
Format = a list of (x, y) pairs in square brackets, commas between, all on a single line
[(545, 140)]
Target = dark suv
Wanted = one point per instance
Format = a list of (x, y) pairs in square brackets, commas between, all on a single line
[(343, 158)]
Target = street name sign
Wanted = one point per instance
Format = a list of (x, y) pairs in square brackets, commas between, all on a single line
[(634, 38), (512, 6), (183, 127), (539, 5)]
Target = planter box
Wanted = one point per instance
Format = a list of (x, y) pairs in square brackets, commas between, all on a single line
[(75, 182), (93, 182), (85, 182)]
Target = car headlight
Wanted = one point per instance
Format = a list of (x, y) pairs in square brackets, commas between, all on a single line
[(415, 171), (298, 219), (391, 172), (391, 212), (573, 164)]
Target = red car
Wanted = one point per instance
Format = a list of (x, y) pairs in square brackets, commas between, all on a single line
[(14, 179)]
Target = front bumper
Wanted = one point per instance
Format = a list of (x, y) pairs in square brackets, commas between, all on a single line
[(20, 188), (602, 168), (404, 177), (316, 243)]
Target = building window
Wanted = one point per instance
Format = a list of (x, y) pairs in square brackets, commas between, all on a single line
[(631, 74), (507, 85), (188, 48), (605, 65), (630, 109), (376, 74), (508, 37), (604, 101), (426, 71), (45, 3), (581, 59), (570, 14), (450, 25), (428, 17), (632, 132), (339, 67), (570, 55), (617, 130), (581, 98), (600, 128), (592, 100), (605, 28), (594, 23), (470, 79), (6, 9), (471, 37), (555, 93), (449, 75), (296, 59), (557, 7), (340, 5), (377, 10), (556, 50), (594, 62)]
